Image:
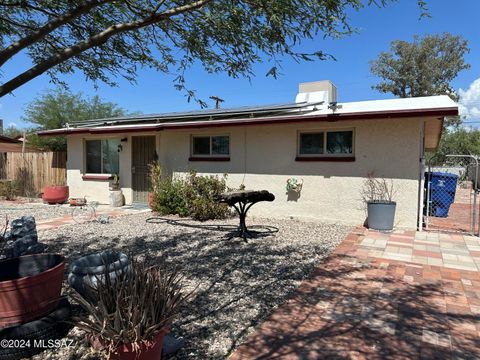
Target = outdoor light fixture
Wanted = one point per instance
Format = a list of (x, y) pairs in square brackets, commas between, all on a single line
[(123, 140)]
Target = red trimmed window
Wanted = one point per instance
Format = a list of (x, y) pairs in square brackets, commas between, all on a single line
[(102, 156), (328, 144), (210, 147)]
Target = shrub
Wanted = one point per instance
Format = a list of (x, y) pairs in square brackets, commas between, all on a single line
[(201, 193), (9, 190), (169, 198), (192, 196)]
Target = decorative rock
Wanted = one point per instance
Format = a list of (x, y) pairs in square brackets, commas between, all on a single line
[(37, 248), (21, 246), (104, 219), (23, 226), (8, 250), (28, 240), (22, 239)]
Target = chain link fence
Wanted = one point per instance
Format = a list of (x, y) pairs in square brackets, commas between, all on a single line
[(450, 197)]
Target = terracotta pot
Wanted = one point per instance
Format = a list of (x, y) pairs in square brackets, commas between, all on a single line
[(144, 350), (55, 194), (30, 287)]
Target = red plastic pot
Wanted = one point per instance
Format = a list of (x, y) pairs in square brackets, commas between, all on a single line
[(30, 287), (143, 350), (55, 194)]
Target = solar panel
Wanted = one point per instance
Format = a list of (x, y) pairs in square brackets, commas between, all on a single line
[(200, 114)]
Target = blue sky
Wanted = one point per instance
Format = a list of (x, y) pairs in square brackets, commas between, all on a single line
[(377, 27)]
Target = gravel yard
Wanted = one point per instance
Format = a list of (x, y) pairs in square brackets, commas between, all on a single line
[(238, 284), (37, 209)]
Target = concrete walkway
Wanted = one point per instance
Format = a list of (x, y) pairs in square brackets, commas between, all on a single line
[(102, 210), (403, 295)]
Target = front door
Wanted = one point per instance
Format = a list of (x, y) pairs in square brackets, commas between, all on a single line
[(143, 154)]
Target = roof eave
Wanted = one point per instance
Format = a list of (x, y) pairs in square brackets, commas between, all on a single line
[(331, 117), (9, 140)]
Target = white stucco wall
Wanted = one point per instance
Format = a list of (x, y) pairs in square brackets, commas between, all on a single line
[(96, 190), (263, 157)]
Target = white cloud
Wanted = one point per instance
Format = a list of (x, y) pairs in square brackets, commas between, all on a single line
[(12, 124), (469, 104)]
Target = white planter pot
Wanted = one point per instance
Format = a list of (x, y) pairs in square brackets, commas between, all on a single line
[(116, 198)]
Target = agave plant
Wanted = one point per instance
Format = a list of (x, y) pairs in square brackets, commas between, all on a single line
[(133, 307)]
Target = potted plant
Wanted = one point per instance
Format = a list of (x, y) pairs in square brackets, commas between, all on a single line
[(378, 195), (116, 195), (56, 193), (133, 311)]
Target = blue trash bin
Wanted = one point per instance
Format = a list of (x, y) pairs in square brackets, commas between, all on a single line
[(442, 192), (443, 182), (440, 197), (441, 211)]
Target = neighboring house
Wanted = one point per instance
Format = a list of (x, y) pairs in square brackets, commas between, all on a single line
[(8, 144), (330, 146)]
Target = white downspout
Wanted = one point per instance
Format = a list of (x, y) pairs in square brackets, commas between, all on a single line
[(421, 177)]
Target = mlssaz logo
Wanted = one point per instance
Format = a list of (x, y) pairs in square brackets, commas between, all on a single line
[(52, 344)]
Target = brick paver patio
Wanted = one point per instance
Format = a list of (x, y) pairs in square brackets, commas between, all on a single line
[(456, 251), (47, 224), (404, 295)]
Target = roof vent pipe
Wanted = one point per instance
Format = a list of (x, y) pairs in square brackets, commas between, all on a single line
[(316, 91)]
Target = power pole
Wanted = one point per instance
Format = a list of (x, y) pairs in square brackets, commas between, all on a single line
[(217, 101)]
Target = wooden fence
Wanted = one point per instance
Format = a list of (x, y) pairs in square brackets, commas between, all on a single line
[(33, 170)]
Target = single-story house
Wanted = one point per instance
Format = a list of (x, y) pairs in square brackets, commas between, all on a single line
[(330, 146)]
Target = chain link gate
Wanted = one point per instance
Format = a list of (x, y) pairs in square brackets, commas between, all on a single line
[(451, 196)]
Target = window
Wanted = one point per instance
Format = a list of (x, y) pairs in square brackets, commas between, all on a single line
[(339, 142), (311, 143), (326, 143), (102, 156), (214, 146)]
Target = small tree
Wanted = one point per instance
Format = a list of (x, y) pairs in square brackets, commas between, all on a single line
[(459, 141), (426, 66), (106, 38), (56, 108), (12, 131)]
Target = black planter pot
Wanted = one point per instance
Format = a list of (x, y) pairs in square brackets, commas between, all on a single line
[(86, 271), (381, 214)]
